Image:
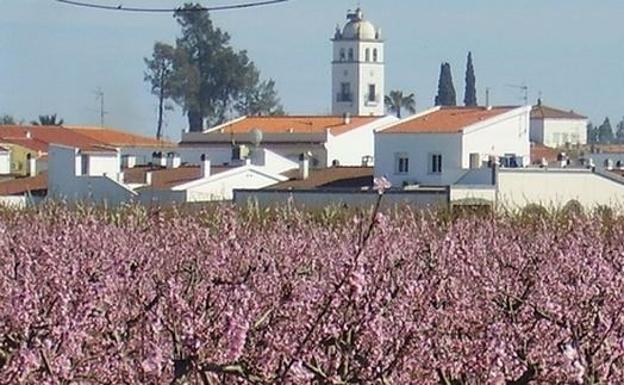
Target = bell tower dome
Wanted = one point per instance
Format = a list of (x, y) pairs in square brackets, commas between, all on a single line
[(358, 68)]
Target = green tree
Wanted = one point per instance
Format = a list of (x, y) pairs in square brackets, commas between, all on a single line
[(160, 75), (446, 90), (592, 133), (47, 120), (7, 120), (470, 94), (605, 132), (619, 132), (211, 80), (396, 102)]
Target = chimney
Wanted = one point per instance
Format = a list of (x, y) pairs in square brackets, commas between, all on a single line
[(304, 167), (158, 159), (205, 166), (148, 178), (28, 134), (128, 161), (173, 160), (32, 165), (347, 118)]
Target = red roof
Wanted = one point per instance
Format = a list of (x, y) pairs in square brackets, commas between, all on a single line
[(293, 124), (541, 111), (119, 138), (332, 177), (19, 186), (29, 143), (166, 178), (539, 152), (446, 120)]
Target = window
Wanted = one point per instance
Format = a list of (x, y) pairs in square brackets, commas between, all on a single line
[(350, 54), (401, 163), (367, 54), (345, 92), (343, 55), (436, 164), (375, 55), (372, 95)]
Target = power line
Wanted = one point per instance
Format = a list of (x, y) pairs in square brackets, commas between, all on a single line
[(122, 8)]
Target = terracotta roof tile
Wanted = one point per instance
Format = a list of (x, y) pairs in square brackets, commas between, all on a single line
[(293, 124), (166, 178), (446, 120), (117, 138), (19, 186), (546, 112), (333, 177), (29, 143), (51, 134), (539, 152)]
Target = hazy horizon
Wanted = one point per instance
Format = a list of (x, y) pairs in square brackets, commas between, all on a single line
[(55, 56)]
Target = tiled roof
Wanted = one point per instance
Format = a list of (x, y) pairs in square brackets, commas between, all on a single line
[(539, 152), (29, 143), (19, 186), (166, 178), (333, 177), (541, 111), (48, 135), (446, 120), (117, 138), (293, 124)]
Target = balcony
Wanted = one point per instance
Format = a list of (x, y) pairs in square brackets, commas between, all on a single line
[(344, 97)]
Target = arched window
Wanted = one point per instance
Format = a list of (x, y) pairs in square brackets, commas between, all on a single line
[(367, 54), (350, 54), (342, 54), (375, 55)]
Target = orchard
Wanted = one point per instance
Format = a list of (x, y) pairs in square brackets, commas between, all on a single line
[(229, 296)]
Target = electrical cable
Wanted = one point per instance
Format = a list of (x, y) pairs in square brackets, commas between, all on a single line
[(170, 10)]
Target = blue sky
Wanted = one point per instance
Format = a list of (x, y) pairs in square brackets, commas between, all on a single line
[(53, 56)]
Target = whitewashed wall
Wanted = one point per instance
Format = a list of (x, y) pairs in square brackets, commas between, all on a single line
[(504, 134), (419, 148), (555, 187), (350, 147), (5, 162), (558, 132)]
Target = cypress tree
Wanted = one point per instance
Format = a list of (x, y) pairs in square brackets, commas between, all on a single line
[(446, 91), (470, 94), (605, 132)]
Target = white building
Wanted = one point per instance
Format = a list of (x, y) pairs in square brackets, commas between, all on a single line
[(555, 128), (358, 68), (5, 161), (439, 146), (326, 140)]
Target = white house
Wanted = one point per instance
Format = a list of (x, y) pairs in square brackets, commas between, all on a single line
[(326, 140), (439, 146), (553, 127), (358, 78), (5, 161)]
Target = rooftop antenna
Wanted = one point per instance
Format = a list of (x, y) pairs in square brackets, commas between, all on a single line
[(99, 94), (523, 87)]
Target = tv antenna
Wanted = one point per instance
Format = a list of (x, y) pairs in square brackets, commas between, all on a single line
[(524, 88), (99, 94)]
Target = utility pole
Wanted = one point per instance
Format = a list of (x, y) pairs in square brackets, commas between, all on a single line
[(100, 97)]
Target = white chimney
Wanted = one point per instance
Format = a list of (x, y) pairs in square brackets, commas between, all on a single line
[(169, 160), (304, 167), (32, 165), (158, 159), (205, 166), (128, 161), (148, 178), (28, 134), (347, 118), (176, 161)]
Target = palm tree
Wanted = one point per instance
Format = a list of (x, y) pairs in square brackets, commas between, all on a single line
[(47, 120), (397, 102)]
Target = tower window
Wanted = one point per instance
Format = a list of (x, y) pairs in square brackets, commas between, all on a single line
[(345, 92), (350, 54), (343, 55), (372, 97), (367, 54), (375, 55)]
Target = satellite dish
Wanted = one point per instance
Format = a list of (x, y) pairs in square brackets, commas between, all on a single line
[(256, 136)]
